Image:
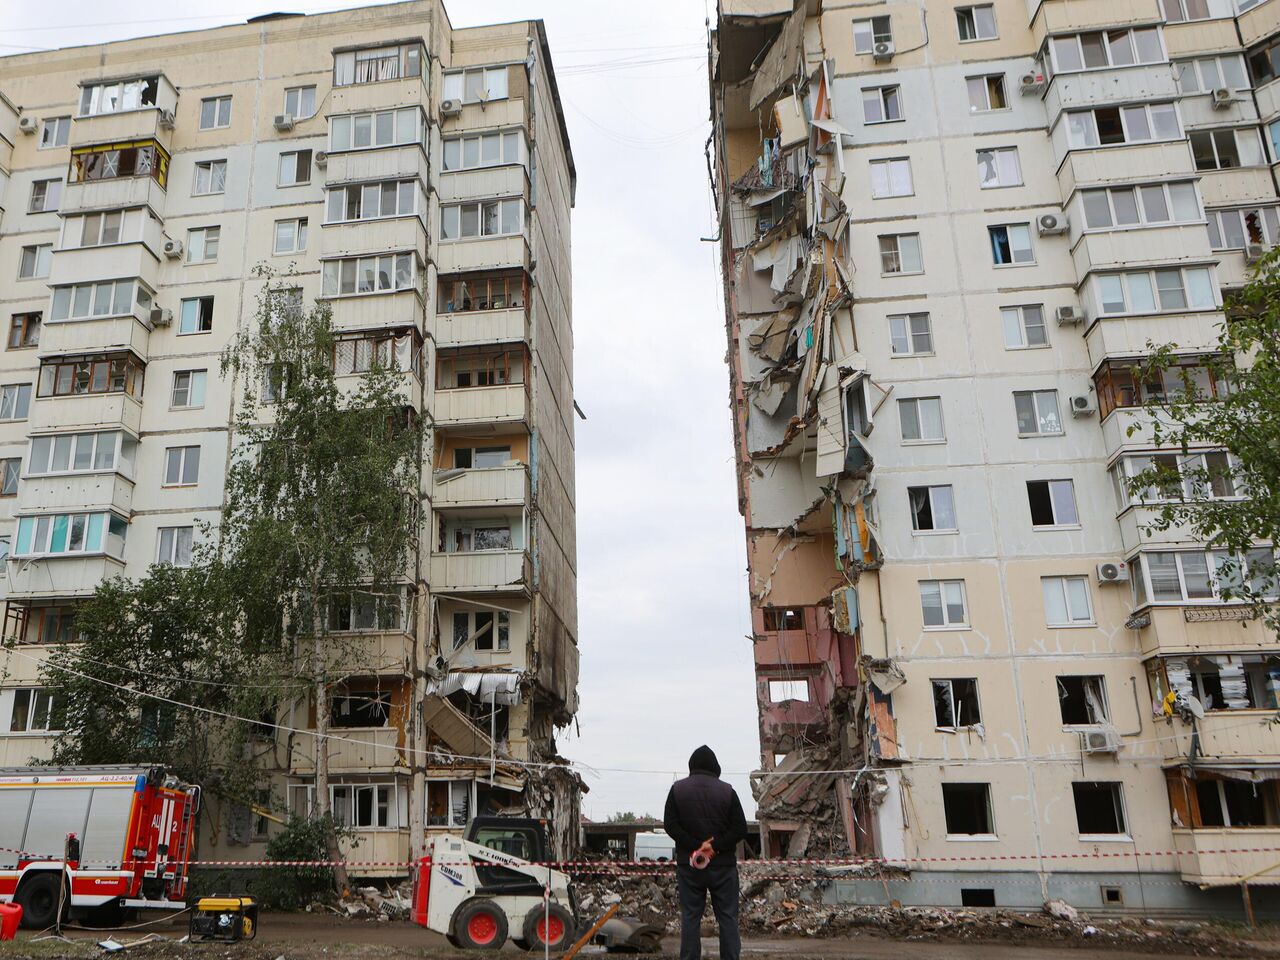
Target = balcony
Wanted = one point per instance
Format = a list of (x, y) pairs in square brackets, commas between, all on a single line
[(510, 112), (365, 237), (74, 493), (19, 750), (97, 411), (382, 95), (790, 717), (1202, 629), (388, 163), (1105, 87), (81, 264), (483, 253), (141, 191), (1219, 188), (383, 846), (486, 183), (1148, 246), (1202, 857), (1127, 163), (1227, 735), (1113, 337), (1198, 111), (481, 406), (122, 127), (360, 750), (410, 387), (378, 311), (371, 653), (488, 571), (475, 327), (64, 576), (1088, 15), (67, 337), (480, 487)]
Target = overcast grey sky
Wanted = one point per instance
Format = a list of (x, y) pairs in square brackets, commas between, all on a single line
[(662, 598)]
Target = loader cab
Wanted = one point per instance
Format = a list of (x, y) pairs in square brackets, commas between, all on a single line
[(517, 837)]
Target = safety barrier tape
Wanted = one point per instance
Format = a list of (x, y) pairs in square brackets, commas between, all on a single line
[(639, 866)]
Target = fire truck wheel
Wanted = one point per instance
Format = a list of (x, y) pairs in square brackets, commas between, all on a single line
[(39, 896), (480, 925), (108, 915), (552, 928)]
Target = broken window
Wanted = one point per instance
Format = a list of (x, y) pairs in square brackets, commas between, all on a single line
[(467, 458), (45, 196), (780, 691), (484, 629), (1037, 412), (1024, 327), (1082, 700), (476, 84), (1237, 803), (976, 23), (54, 132), (943, 603), (361, 708), (1053, 503), (932, 508), (1106, 126), (967, 807), (366, 611), (881, 104), (24, 330), (900, 253), (118, 96), (375, 64), (136, 159), (488, 369), (921, 420), (870, 31), (891, 178), (1011, 244), (495, 536), (1099, 808), (987, 93), (955, 703), (449, 803), (1066, 601), (999, 167), (33, 711), (481, 291), (211, 177), (781, 618), (156, 723), (1226, 149), (910, 334)]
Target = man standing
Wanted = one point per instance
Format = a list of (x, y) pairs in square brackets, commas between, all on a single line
[(704, 816)]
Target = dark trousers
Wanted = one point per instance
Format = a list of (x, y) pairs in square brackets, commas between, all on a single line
[(721, 881)]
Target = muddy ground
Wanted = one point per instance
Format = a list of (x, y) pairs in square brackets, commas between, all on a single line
[(999, 936)]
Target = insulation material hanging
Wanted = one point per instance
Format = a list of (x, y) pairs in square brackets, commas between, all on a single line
[(792, 129), (845, 615), (1235, 693), (1179, 674), (832, 432), (781, 257)]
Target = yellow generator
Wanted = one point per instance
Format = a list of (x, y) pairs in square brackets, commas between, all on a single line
[(225, 919)]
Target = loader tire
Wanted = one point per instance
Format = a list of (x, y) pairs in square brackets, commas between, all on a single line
[(480, 925), (40, 898), (552, 929)]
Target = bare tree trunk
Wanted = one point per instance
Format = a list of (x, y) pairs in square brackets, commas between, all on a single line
[(322, 754)]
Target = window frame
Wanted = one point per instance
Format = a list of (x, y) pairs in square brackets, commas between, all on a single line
[(61, 132), (334, 271), (1035, 396), (991, 83), (870, 35), (885, 95), (987, 835), (183, 455), (996, 167), (351, 123), (22, 395), (888, 179), (1094, 133), (457, 81), (944, 586), (909, 335), (459, 222), (1212, 134), (202, 310), (98, 374), (896, 240), (41, 258), (1122, 815), (1062, 583), (195, 375), (44, 195), (301, 229), (1008, 228), (1053, 501), (301, 96), (32, 726), (301, 164), (972, 10), (503, 136), (21, 326), (1151, 275), (205, 234), (211, 168), (932, 492), (1021, 313), (1140, 193), (176, 537), (921, 440), (10, 474), (220, 122), (950, 683)]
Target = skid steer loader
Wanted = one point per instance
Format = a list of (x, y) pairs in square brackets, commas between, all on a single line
[(488, 887)]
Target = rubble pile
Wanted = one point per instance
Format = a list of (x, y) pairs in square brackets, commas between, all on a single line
[(370, 903), (650, 898)]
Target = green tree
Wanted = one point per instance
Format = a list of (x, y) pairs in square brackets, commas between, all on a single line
[(321, 496), (1226, 401)]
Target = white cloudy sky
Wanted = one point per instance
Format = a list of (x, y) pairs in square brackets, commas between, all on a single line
[(666, 664)]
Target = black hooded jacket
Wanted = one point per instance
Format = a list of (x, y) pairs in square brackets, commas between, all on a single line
[(703, 807)]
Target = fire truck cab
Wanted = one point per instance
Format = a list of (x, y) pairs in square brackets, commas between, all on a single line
[(133, 831)]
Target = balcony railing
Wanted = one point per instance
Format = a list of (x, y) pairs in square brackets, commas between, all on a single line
[(486, 571), (1222, 855), (480, 487), (351, 750)]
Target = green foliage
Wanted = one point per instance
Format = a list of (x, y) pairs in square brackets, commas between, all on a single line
[(1244, 420), (291, 888), (626, 816)]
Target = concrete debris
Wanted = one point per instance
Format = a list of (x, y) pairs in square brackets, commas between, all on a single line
[(1061, 909)]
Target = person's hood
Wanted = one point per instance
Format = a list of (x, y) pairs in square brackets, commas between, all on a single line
[(703, 760)]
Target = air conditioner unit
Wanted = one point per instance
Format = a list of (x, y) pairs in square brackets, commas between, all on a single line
[(284, 122), (28, 124), (1082, 405), (160, 317), (1254, 252), (1068, 316), (321, 158), (173, 249), (1102, 740), (1032, 83), (1113, 571), (1052, 224), (167, 119), (450, 108), (1222, 98), (883, 51)]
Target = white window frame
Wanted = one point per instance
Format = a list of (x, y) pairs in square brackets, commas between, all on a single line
[(174, 545), (1055, 49), (301, 111), (334, 274), (1183, 14), (16, 399), (299, 236), (510, 144), (1237, 134), (1001, 83), (350, 126), (947, 591), (105, 449), (452, 219), (1061, 586), (50, 199), (339, 196), (998, 167), (193, 308), (1092, 139), (108, 227), (884, 97), (127, 93), (33, 724), (41, 259), (61, 132), (1014, 320), (187, 459), (895, 255), (198, 240), (1118, 798), (190, 390), (1267, 227), (1195, 69), (220, 108), (866, 33), (294, 169), (949, 683), (1009, 228), (1057, 489), (468, 785), (1141, 193), (934, 493), (1140, 565), (119, 294), (904, 330), (213, 173), (975, 23), (1129, 283), (891, 177), (915, 403), (1043, 403), (458, 86)]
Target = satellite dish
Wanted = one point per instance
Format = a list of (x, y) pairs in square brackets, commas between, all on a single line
[(1196, 707)]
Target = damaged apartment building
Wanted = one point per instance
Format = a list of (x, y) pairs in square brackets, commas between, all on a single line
[(949, 233), (418, 178)]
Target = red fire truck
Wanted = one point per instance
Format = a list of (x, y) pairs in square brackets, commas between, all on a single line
[(101, 839)]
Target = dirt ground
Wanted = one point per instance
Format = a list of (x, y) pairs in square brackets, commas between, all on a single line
[(313, 937)]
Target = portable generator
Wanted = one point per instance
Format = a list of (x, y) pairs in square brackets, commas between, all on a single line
[(225, 919)]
